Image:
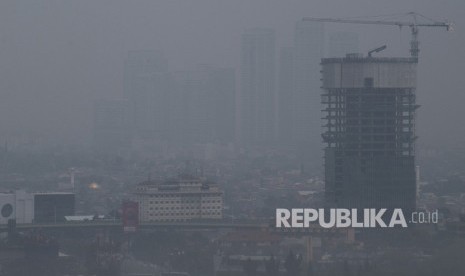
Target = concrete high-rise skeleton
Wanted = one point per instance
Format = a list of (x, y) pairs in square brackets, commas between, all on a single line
[(369, 112)]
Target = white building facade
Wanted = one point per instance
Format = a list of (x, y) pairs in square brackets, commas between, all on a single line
[(18, 206), (177, 201)]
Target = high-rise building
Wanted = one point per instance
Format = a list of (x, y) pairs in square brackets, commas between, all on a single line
[(202, 105), (342, 43), (146, 87), (112, 130), (257, 98), (286, 96), (180, 108), (221, 84), (309, 49), (369, 112), (188, 107)]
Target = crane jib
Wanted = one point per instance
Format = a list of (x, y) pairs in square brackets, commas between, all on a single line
[(414, 50)]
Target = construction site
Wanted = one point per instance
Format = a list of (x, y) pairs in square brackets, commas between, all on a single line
[(369, 110), (370, 131)]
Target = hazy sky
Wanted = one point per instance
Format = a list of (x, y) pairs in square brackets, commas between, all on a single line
[(57, 57)]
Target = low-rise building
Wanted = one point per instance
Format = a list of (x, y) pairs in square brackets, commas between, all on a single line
[(52, 207), (38, 207), (18, 206), (183, 199)]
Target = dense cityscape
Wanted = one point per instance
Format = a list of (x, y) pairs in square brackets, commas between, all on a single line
[(185, 169)]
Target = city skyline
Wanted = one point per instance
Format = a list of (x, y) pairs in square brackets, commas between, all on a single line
[(232, 138), (98, 54)]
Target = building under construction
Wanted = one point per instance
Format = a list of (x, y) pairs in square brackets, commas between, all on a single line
[(369, 113)]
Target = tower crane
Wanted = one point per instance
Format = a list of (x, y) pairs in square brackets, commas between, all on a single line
[(413, 24)]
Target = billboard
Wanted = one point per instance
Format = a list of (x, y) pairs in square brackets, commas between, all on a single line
[(130, 216)]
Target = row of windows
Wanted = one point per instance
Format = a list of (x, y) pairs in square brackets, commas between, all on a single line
[(173, 214)]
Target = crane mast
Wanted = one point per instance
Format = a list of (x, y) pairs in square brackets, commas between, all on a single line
[(413, 25)]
